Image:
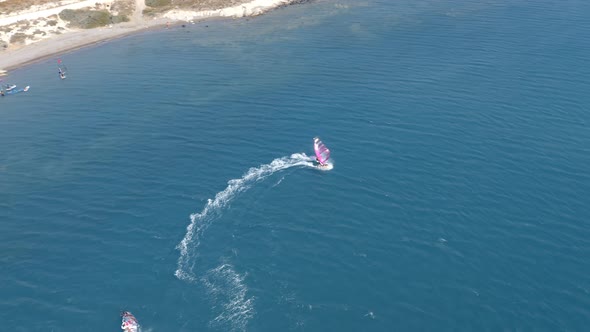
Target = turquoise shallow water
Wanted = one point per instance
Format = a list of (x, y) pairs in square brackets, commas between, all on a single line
[(458, 199)]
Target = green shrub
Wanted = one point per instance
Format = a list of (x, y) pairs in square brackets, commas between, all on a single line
[(119, 19), (123, 7), (88, 19), (158, 3), (18, 38)]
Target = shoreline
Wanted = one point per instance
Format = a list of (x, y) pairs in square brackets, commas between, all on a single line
[(45, 49), (78, 39)]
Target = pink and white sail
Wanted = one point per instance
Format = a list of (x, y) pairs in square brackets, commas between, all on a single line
[(321, 151), (129, 322)]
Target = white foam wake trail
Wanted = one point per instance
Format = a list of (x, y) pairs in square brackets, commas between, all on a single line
[(228, 289), (200, 221)]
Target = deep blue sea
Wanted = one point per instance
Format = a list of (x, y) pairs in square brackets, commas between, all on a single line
[(170, 173)]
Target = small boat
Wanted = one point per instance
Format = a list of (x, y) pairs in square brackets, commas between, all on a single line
[(129, 322), (14, 90), (10, 87), (322, 152)]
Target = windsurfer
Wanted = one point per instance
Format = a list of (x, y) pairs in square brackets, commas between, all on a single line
[(321, 152), (129, 322), (321, 164)]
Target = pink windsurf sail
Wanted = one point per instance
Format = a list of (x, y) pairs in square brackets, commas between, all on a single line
[(129, 322), (321, 151)]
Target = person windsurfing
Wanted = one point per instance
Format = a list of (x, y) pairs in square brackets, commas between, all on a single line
[(61, 69), (322, 153), (129, 322)]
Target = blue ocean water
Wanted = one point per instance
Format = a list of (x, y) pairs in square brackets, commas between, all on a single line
[(169, 175)]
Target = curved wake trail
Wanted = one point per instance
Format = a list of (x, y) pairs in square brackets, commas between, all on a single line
[(228, 288), (200, 221)]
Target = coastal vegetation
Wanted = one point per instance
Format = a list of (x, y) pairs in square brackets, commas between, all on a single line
[(158, 3), (154, 7), (10, 6), (88, 19), (123, 7), (206, 4), (18, 38)]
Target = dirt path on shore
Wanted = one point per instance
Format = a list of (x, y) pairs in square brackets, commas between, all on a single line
[(138, 13)]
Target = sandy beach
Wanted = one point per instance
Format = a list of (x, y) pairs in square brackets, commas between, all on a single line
[(45, 34)]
